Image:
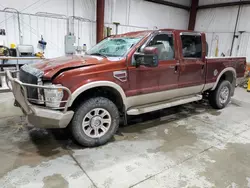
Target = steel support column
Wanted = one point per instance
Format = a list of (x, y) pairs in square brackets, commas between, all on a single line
[(100, 20), (192, 14)]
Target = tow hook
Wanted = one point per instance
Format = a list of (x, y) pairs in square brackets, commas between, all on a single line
[(16, 104)]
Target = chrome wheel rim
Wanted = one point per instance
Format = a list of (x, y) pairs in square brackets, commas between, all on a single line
[(224, 94), (96, 122)]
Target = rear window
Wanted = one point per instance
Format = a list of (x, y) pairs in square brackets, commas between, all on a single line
[(191, 46)]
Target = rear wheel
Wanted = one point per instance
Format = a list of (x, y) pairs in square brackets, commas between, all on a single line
[(95, 122), (220, 97)]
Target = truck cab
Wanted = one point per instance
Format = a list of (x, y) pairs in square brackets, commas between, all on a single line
[(128, 74)]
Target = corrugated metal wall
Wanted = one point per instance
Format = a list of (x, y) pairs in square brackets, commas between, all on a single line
[(133, 15), (53, 31), (140, 14), (52, 28), (219, 24)]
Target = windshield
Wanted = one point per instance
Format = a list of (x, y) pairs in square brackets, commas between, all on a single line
[(114, 47)]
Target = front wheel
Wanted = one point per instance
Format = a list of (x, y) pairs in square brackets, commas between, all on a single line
[(95, 121), (220, 97)]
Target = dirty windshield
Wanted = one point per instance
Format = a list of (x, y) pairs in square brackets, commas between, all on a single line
[(114, 47)]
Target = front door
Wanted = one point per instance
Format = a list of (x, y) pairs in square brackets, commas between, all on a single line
[(152, 84), (192, 65), (168, 63)]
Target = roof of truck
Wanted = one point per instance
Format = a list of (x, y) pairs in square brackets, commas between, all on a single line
[(146, 32)]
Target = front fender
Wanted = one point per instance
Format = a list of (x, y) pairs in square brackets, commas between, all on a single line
[(95, 84)]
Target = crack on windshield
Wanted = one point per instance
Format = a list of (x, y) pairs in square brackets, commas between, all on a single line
[(114, 47)]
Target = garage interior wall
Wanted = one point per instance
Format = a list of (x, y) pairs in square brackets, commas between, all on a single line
[(219, 25), (133, 15), (53, 28)]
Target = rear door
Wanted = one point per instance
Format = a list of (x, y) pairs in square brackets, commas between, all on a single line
[(192, 62)]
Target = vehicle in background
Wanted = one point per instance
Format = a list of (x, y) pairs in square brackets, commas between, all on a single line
[(128, 74)]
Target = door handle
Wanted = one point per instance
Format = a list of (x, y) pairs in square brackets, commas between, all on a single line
[(175, 67), (202, 69)]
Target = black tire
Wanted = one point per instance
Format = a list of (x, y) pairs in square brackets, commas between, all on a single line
[(76, 124), (215, 95)]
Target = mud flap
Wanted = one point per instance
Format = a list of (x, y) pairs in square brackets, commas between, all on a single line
[(233, 87)]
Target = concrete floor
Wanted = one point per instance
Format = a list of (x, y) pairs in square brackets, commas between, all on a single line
[(186, 146)]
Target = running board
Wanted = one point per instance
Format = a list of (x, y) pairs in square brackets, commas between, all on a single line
[(161, 105)]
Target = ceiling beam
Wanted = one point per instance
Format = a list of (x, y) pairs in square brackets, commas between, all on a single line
[(224, 4), (167, 3)]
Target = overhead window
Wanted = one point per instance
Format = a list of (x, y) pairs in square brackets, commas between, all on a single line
[(191, 46)]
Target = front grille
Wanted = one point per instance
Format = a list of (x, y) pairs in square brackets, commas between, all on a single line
[(30, 75)]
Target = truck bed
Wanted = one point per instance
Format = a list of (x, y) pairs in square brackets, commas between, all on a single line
[(216, 65)]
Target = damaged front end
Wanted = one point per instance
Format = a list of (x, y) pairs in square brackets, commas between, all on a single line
[(46, 106), (51, 95), (31, 75)]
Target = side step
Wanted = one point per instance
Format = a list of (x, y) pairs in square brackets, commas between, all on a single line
[(161, 105)]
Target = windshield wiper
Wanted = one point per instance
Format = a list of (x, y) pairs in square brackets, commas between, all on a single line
[(98, 54)]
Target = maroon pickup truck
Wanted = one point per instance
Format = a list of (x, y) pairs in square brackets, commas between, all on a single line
[(128, 74)]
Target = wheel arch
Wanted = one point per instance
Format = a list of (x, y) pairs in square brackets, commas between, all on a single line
[(229, 74), (117, 94)]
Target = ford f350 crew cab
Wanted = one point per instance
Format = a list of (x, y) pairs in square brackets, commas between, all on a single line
[(127, 74)]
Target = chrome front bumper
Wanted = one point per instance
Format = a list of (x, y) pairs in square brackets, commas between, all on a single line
[(38, 116)]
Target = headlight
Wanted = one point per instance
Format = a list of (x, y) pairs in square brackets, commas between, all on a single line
[(53, 97)]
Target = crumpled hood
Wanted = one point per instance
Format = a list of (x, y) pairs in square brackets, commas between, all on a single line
[(52, 66)]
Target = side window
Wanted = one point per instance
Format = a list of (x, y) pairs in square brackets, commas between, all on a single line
[(191, 46), (165, 45)]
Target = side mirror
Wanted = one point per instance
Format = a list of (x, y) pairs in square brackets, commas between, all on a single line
[(149, 57)]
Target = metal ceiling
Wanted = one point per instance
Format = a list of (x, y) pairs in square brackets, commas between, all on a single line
[(224, 4), (168, 3), (177, 5)]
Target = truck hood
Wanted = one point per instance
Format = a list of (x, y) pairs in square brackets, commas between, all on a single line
[(51, 67)]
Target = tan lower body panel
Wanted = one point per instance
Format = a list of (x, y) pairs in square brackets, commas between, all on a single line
[(161, 105), (162, 96)]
